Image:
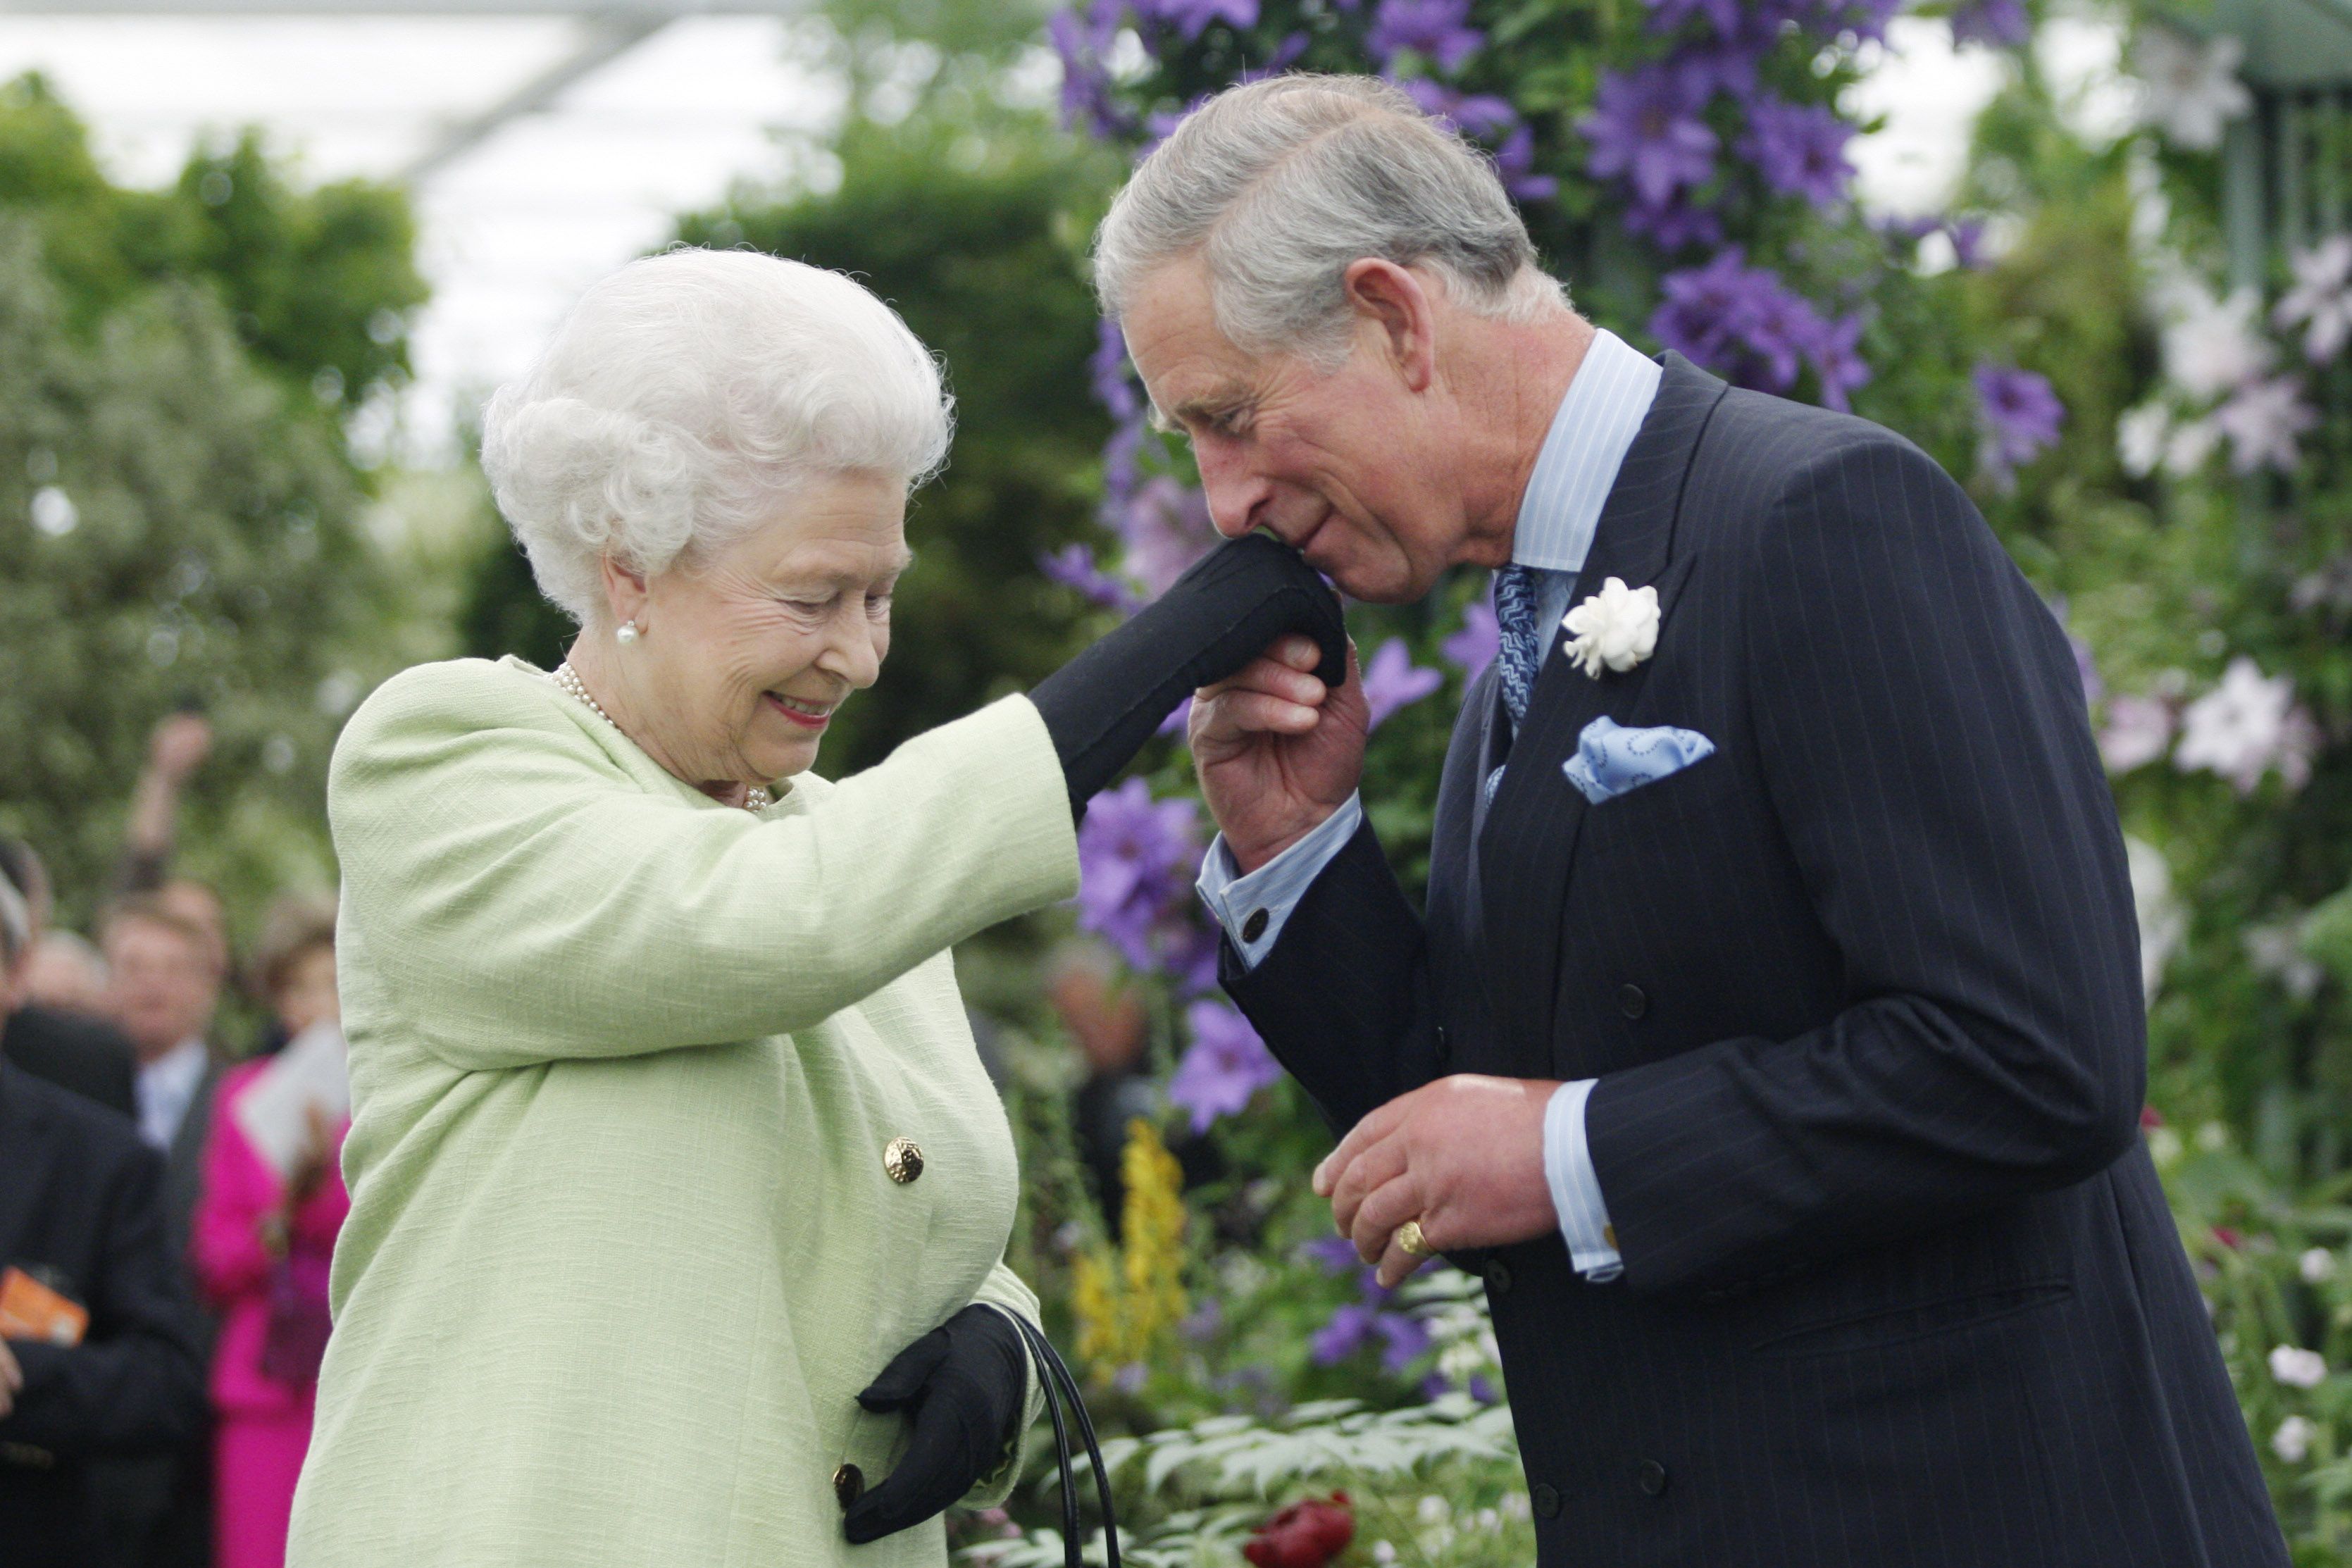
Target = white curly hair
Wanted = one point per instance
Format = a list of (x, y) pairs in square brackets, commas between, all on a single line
[(684, 399)]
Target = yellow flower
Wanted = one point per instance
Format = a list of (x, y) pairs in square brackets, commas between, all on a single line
[(1129, 1300)]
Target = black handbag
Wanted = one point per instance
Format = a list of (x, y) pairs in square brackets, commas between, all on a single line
[(1055, 1379)]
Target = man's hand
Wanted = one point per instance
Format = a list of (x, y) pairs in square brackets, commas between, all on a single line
[(1462, 1155), (11, 1380), (1277, 750)]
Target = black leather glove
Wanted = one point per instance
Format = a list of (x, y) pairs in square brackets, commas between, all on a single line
[(963, 1387), (1102, 705)]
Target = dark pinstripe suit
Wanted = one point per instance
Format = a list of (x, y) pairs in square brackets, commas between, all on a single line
[(1863, 994)]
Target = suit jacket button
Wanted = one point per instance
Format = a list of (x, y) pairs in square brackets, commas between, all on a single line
[(1631, 1001), (1499, 1277), (1652, 1478), (1254, 927), (1546, 1498)]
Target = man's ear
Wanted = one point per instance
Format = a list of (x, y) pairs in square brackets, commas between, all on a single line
[(624, 591), (1397, 302)]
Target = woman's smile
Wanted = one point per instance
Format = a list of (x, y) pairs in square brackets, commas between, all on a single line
[(807, 715)]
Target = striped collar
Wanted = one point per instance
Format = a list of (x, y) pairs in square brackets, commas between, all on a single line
[(1606, 401)]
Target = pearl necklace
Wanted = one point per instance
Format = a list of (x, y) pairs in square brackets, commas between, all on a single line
[(568, 679)]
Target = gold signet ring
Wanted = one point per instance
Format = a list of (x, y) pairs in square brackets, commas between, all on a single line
[(1408, 1240)]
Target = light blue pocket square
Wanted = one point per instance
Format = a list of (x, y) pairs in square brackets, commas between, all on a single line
[(1610, 759)]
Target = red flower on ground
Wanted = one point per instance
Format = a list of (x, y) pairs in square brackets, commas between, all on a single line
[(2229, 1238), (1303, 1535), (2151, 1117)]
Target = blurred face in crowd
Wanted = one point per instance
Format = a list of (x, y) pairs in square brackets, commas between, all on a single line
[(744, 654), (305, 992), (1365, 468), (64, 972), (164, 984), (199, 907)]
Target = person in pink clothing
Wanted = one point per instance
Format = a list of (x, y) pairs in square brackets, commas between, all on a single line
[(260, 1244)]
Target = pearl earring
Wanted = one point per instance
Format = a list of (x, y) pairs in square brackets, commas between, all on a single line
[(627, 633)]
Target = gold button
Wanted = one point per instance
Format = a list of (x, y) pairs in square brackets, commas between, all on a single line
[(848, 1485), (903, 1160)]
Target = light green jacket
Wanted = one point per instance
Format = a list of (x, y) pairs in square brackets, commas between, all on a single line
[(624, 1061)]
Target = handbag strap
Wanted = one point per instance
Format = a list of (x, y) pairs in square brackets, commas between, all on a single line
[(1054, 1377)]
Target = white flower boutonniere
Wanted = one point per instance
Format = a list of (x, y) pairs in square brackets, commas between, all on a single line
[(1616, 629)]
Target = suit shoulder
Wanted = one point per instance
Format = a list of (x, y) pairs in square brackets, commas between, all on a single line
[(428, 705), (1768, 463), (102, 1140)]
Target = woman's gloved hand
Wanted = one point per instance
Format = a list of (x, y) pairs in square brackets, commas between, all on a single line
[(1102, 705), (962, 1387)]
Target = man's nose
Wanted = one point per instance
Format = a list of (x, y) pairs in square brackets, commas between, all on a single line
[(1235, 492)]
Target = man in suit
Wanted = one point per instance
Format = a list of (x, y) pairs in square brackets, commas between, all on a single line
[(167, 974), (78, 1213), (1772, 1040), (82, 1054)]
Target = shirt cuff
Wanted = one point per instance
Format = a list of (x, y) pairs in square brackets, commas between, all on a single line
[(1575, 1188), (1254, 908)]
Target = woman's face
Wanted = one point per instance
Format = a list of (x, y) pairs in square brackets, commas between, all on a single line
[(306, 990), (744, 654)]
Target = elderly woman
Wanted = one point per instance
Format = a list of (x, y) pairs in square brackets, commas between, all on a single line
[(678, 1196)]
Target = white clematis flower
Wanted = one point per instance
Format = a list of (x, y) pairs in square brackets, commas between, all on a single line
[(2212, 345), (2298, 1368), (2321, 300), (2190, 90), (2292, 1441), (1616, 629)]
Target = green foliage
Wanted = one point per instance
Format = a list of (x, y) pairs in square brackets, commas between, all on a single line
[(317, 283), (211, 557), (180, 521)]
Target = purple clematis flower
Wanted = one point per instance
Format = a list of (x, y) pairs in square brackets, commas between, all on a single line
[(1407, 1341), (1968, 243), (1474, 647), (1338, 1340), (2022, 415), (1837, 360), (1191, 18), (1514, 162), (1437, 30), (1391, 681), (1676, 226), (1122, 471), (1711, 68), (1480, 116), (1726, 16), (1644, 128), (1114, 387), (1799, 148), (1167, 528), (1225, 1066), (2002, 24), (1074, 566), (1137, 857), (1084, 43)]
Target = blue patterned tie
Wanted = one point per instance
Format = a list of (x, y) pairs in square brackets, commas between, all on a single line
[(1516, 588)]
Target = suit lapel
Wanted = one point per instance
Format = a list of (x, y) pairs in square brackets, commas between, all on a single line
[(1528, 843)]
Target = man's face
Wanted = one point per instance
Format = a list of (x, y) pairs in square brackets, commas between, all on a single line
[(1351, 466), (164, 985)]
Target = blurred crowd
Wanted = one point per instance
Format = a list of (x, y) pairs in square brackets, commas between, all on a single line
[(169, 1200)]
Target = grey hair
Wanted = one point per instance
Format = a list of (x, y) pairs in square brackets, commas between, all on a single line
[(1281, 184), (685, 397)]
